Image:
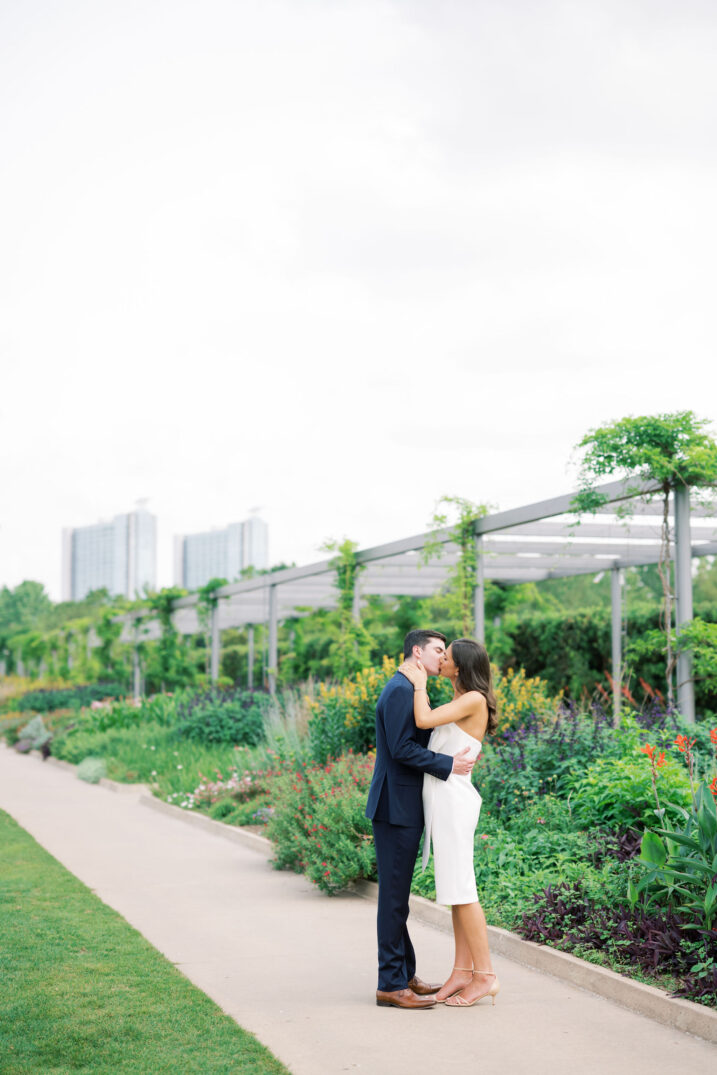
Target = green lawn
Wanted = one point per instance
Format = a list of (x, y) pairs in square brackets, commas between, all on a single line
[(81, 991)]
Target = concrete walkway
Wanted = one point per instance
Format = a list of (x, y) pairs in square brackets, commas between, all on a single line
[(298, 968)]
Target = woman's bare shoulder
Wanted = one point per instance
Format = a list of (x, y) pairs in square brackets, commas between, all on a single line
[(476, 698), (476, 717)]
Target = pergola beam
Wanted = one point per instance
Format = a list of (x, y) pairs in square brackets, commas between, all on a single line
[(615, 491), (561, 505), (528, 544), (617, 531), (654, 509)]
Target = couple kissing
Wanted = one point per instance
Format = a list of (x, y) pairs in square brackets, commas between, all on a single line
[(421, 783)]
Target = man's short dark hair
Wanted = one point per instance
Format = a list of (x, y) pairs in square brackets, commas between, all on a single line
[(420, 639)]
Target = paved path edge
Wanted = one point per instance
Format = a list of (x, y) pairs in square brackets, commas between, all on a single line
[(644, 999), (683, 1015)]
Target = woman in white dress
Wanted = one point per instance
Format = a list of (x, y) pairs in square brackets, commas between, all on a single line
[(451, 808)]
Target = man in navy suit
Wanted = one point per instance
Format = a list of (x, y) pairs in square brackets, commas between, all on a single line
[(395, 806)]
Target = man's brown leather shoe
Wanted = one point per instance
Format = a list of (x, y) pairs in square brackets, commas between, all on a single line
[(424, 989), (403, 998)]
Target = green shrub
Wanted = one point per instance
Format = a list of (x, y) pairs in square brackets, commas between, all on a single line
[(252, 812), (127, 713), (217, 716), (44, 700), (149, 754), (221, 797), (540, 758), (36, 732), (92, 770), (571, 651), (343, 715), (544, 814), (222, 810), (681, 860), (318, 824), (80, 742), (522, 699), (10, 724), (510, 869), (618, 791)]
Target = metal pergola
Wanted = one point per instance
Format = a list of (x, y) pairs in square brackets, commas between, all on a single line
[(527, 544)]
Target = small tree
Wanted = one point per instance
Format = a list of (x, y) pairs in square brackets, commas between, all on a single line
[(24, 608), (671, 450)]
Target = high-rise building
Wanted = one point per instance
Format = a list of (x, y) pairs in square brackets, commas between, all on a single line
[(120, 556), (220, 554)]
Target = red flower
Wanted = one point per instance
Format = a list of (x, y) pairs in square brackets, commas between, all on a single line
[(713, 787), (713, 736), (657, 761)]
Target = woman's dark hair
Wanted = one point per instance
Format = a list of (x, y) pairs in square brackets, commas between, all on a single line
[(474, 674)]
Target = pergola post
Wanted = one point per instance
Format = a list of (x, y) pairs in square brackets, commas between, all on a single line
[(273, 639), (479, 591), (250, 658), (616, 622), (136, 669), (356, 607), (214, 666), (683, 586)]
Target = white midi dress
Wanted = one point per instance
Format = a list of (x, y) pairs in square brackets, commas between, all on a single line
[(451, 808)]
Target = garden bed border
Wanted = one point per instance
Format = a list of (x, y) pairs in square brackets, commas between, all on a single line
[(682, 1015), (647, 1000), (644, 999)]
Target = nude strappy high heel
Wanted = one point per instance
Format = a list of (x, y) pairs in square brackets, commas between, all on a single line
[(466, 970), (457, 1001)]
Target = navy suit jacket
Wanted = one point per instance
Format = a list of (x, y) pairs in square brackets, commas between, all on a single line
[(402, 757)]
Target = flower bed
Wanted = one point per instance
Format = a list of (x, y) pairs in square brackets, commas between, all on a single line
[(566, 801)]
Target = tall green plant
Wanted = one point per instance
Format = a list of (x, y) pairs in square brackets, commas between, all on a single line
[(112, 665), (701, 638), (681, 862), (79, 654), (173, 667), (671, 450), (463, 576), (350, 651)]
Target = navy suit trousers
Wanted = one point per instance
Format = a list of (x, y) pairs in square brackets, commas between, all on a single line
[(396, 850)]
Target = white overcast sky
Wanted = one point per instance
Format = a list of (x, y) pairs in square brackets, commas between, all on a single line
[(335, 259)]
